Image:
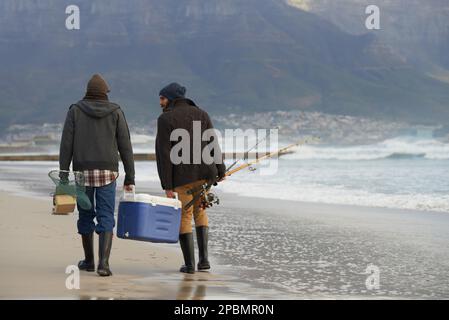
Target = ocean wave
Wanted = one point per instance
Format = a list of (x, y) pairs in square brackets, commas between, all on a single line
[(401, 155), (318, 193), (394, 149)]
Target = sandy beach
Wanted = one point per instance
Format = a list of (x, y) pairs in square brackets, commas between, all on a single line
[(259, 249), (36, 248)]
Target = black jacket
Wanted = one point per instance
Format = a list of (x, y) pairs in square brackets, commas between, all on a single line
[(95, 131), (180, 115)]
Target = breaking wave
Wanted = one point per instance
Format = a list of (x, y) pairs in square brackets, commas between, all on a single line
[(394, 149)]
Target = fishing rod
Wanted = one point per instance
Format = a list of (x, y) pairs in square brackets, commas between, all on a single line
[(205, 187), (209, 199), (245, 155), (270, 155)]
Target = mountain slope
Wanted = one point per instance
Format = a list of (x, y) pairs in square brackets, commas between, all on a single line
[(418, 30), (250, 55)]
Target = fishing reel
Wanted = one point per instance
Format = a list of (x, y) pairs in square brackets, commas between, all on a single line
[(208, 200), (203, 195)]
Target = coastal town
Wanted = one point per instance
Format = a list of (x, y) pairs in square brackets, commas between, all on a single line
[(332, 129)]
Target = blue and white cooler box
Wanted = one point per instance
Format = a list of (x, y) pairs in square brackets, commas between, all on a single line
[(149, 218)]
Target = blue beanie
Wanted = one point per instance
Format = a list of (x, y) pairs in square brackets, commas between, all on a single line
[(173, 91)]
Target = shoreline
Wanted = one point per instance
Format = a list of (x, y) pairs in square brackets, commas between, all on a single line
[(153, 187), (45, 245), (150, 156), (259, 248), (29, 177)]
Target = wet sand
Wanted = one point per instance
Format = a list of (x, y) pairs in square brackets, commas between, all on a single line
[(305, 251), (315, 250), (36, 248), (259, 248)]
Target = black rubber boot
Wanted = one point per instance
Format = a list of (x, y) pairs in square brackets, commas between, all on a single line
[(104, 251), (202, 237), (88, 264), (186, 242)]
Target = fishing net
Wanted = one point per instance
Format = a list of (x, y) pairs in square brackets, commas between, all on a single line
[(71, 183)]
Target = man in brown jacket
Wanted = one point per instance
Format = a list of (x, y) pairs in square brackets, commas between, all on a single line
[(182, 113)]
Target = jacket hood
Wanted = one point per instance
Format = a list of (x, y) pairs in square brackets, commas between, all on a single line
[(97, 109)]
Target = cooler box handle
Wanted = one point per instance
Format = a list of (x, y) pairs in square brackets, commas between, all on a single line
[(129, 195)]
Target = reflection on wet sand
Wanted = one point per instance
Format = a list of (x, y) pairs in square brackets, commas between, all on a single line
[(190, 290), (167, 285)]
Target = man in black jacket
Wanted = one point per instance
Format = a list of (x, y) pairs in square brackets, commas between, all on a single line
[(95, 131), (182, 115)]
